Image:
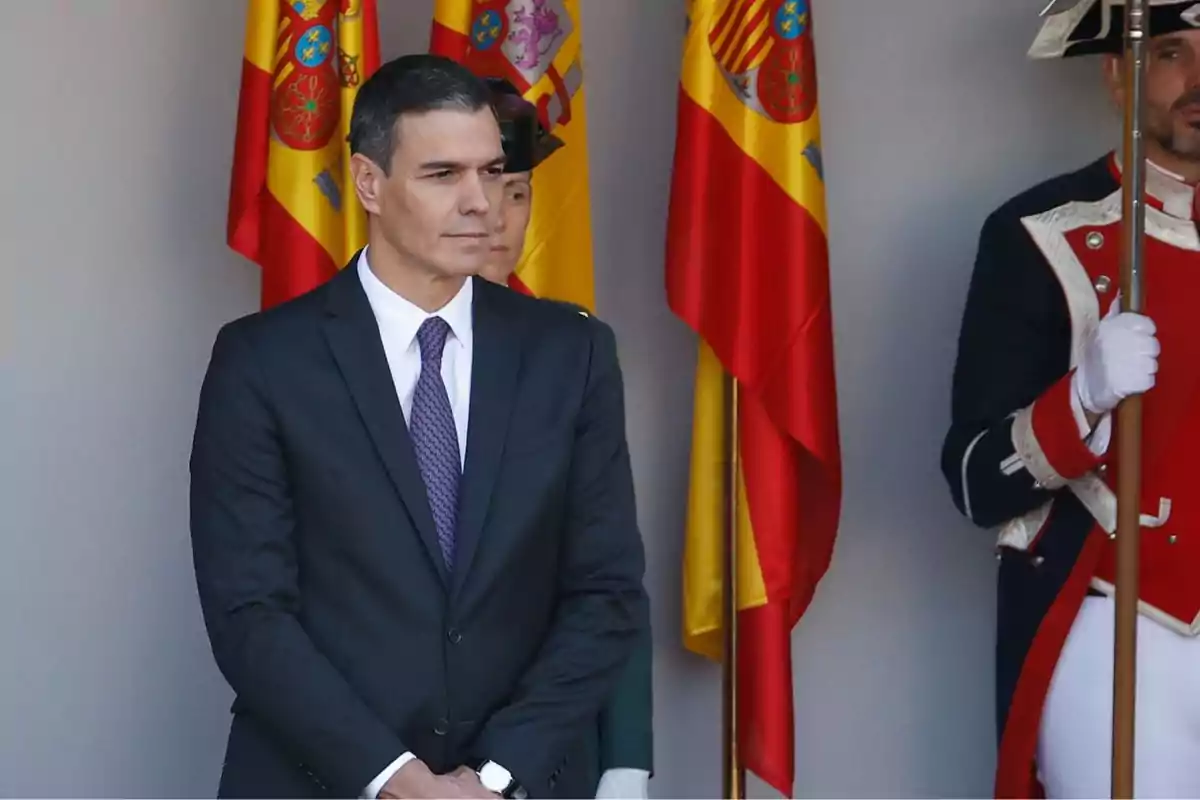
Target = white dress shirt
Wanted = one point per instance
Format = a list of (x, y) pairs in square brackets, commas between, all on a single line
[(398, 321)]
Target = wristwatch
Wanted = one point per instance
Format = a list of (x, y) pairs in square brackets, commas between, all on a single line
[(496, 778)]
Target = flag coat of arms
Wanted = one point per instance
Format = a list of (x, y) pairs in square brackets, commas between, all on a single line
[(292, 207)]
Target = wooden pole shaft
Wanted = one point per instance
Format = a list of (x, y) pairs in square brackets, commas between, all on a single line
[(1125, 642), (733, 773), (1129, 413)]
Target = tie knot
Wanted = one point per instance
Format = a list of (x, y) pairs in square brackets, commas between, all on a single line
[(431, 337)]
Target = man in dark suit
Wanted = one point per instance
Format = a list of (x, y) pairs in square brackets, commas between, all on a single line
[(413, 517)]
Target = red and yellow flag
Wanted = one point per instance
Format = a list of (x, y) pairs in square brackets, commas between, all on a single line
[(747, 269), (292, 207), (536, 45)]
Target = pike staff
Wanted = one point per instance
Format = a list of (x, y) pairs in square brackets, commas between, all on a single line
[(1129, 412)]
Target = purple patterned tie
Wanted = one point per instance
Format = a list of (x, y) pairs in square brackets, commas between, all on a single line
[(435, 436)]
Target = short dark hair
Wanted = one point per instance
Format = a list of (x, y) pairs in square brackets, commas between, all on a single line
[(412, 84)]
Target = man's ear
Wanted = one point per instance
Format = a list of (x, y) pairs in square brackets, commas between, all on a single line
[(368, 182)]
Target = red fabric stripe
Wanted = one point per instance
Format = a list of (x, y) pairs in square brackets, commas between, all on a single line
[(789, 495), (1057, 432), (293, 262), (761, 44), (447, 42), (1016, 769), (767, 741), (560, 89), (741, 64), (714, 35), (250, 148), (371, 58), (516, 283), (736, 34), (747, 269)]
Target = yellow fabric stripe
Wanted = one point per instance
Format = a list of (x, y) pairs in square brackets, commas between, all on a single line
[(749, 25), (454, 14), (351, 39), (291, 179), (704, 548), (771, 144), (760, 33), (728, 29), (557, 260), (262, 25)]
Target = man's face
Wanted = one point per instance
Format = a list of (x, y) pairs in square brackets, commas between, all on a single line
[(508, 235), (1172, 93), (441, 200)]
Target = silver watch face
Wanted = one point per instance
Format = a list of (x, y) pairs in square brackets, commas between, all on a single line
[(494, 777)]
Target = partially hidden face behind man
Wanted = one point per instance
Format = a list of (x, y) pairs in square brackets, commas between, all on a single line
[(512, 222), (526, 143), (431, 176)]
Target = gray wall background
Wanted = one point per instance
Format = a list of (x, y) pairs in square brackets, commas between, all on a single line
[(117, 145)]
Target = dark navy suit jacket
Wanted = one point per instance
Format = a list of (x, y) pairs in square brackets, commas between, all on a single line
[(329, 608)]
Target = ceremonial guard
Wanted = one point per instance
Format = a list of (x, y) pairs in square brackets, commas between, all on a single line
[(625, 754), (527, 143), (1044, 357)]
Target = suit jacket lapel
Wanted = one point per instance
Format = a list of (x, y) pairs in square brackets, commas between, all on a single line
[(494, 368), (353, 336)]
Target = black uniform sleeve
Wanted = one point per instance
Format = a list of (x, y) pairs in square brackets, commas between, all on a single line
[(1013, 438)]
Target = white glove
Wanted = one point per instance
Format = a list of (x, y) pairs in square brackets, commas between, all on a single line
[(1119, 359), (623, 783)]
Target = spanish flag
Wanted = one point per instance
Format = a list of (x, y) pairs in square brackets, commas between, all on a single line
[(537, 46), (747, 269), (292, 207)]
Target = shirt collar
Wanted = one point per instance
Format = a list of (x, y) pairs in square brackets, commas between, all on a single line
[(1176, 197), (404, 318)]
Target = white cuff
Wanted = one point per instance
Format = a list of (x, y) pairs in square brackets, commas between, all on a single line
[(623, 783), (1098, 444), (376, 786), (1097, 439)]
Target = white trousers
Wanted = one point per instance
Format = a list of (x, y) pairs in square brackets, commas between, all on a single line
[(1075, 740)]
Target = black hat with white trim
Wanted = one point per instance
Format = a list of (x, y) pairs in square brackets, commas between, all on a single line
[(1098, 26), (526, 141)]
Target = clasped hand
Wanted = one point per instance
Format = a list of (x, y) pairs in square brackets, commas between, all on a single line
[(415, 781)]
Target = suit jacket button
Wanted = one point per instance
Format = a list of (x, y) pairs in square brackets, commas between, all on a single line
[(442, 727), (454, 636)]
